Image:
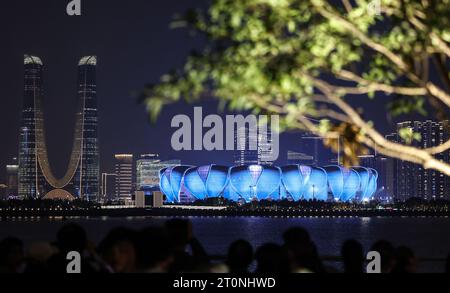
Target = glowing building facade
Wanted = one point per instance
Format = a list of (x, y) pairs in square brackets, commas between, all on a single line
[(36, 178), (257, 182), (124, 177)]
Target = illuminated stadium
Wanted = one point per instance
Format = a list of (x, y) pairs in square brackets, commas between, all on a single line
[(184, 184)]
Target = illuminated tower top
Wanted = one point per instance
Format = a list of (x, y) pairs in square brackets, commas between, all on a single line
[(28, 59)]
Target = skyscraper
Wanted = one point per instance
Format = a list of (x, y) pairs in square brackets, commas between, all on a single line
[(36, 178), (246, 142), (147, 171), (254, 146), (29, 179), (413, 180), (108, 187), (124, 177), (12, 173), (87, 176)]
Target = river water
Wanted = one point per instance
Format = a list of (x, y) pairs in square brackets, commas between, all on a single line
[(428, 237)]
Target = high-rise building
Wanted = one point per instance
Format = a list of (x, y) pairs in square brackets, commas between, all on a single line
[(147, 170), (246, 141), (87, 176), (124, 177), (412, 180), (266, 145), (29, 177), (254, 146), (36, 178), (12, 181), (108, 187)]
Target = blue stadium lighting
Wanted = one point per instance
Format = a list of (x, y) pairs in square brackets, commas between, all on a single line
[(316, 187), (171, 180), (257, 182), (293, 181), (206, 181), (343, 183)]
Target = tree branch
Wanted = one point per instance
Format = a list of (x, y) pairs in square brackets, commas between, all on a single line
[(375, 139)]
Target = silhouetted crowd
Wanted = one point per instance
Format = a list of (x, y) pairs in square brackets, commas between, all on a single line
[(174, 248)]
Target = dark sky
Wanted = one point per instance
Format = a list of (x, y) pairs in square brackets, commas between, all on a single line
[(134, 45)]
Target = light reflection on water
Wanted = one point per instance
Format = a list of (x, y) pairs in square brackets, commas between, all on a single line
[(428, 237)]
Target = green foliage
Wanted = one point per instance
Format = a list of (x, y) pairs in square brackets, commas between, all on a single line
[(405, 105), (260, 52), (408, 135)]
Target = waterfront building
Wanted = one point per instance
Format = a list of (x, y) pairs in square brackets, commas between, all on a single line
[(412, 180), (124, 177), (12, 180), (246, 143), (253, 146), (147, 171), (108, 187), (258, 182), (35, 177)]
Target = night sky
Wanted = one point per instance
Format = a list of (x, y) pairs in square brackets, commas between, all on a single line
[(135, 46)]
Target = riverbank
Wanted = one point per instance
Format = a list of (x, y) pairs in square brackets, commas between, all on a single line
[(218, 212)]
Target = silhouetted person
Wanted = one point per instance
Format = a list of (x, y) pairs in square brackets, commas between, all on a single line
[(352, 254), (271, 258), (406, 261), (240, 256), (37, 257), (118, 250), (153, 251), (182, 239), (72, 237), (302, 251), (11, 255), (387, 253)]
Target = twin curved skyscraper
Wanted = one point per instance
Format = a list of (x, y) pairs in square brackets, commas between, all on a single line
[(36, 179), (257, 182)]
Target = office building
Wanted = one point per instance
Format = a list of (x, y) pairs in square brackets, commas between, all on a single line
[(86, 179), (124, 177), (254, 146), (36, 179), (12, 178), (412, 180), (246, 142), (147, 171), (108, 187)]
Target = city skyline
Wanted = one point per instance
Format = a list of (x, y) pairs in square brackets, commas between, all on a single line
[(238, 138), (82, 178), (124, 70), (122, 74)]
